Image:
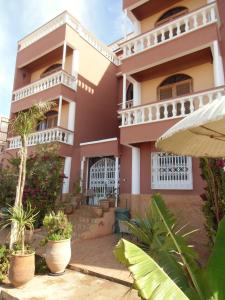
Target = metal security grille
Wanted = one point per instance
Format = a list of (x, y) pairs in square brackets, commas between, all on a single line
[(171, 171), (102, 178)]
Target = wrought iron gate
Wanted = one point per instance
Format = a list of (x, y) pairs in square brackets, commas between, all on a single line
[(102, 178)]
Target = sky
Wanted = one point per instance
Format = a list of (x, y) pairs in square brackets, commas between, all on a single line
[(104, 18)]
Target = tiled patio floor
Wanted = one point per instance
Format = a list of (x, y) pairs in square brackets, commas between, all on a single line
[(96, 256)]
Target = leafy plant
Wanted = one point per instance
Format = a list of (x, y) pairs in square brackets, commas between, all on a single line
[(23, 219), (214, 195), (57, 226), (152, 236), (153, 281), (4, 262)]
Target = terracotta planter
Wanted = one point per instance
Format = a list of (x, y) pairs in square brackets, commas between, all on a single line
[(104, 204), (22, 268), (58, 254), (98, 211), (112, 202)]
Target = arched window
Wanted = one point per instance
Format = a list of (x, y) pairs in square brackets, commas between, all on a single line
[(51, 69), (171, 14), (50, 121), (175, 86)]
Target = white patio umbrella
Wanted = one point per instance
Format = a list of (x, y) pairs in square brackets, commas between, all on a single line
[(200, 134)]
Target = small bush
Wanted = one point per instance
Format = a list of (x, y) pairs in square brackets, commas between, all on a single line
[(4, 262), (57, 226)]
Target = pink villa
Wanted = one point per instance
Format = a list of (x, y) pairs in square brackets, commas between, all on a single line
[(114, 101)]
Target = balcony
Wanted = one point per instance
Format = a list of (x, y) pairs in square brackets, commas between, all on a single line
[(167, 110), (170, 31), (45, 83), (55, 25), (42, 137)]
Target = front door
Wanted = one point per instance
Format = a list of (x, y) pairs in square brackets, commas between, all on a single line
[(102, 178)]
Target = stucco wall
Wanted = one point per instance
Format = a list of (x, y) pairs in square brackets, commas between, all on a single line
[(149, 23), (202, 80)]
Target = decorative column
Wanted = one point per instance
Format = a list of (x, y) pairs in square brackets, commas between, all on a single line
[(124, 91), (217, 64), (59, 111), (67, 169), (71, 115), (137, 93), (117, 179), (64, 55), (136, 174), (75, 67), (82, 173)]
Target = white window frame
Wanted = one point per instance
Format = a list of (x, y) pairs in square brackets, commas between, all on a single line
[(180, 184)]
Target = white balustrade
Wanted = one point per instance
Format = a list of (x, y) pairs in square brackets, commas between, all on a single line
[(172, 30), (66, 18), (171, 109), (42, 137), (45, 83), (129, 104)]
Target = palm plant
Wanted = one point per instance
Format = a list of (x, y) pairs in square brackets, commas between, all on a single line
[(155, 281), (23, 125), (23, 219)]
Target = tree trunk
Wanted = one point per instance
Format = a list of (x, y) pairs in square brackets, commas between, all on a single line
[(19, 188)]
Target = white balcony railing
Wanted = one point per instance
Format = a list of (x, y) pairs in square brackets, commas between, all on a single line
[(172, 30), (60, 77), (128, 104), (171, 109), (66, 18), (43, 137)]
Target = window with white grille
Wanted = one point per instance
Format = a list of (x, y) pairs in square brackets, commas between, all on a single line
[(171, 171)]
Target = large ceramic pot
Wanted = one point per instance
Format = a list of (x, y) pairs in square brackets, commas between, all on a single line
[(58, 254), (97, 210), (22, 268)]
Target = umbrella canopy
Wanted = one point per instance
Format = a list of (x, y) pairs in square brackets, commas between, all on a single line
[(200, 134)]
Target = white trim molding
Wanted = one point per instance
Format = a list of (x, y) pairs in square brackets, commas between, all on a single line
[(99, 141)]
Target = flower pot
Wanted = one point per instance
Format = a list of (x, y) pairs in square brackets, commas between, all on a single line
[(22, 268), (58, 254), (112, 202), (104, 204), (97, 210)]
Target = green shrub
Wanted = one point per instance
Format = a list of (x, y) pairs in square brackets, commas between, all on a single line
[(212, 172), (4, 262), (57, 226)]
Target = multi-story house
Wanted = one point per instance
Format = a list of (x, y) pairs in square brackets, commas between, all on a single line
[(113, 102), (3, 132)]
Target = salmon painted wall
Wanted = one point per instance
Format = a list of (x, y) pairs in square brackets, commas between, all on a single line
[(202, 76), (145, 181), (96, 97), (149, 23)]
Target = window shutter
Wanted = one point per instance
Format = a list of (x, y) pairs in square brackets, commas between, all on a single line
[(183, 88), (165, 93)]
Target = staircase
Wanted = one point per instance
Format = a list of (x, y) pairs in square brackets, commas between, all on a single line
[(86, 225)]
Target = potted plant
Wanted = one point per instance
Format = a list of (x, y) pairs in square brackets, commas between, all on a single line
[(58, 239), (22, 259)]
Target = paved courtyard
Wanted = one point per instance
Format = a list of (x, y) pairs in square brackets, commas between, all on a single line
[(72, 285), (96, 256)]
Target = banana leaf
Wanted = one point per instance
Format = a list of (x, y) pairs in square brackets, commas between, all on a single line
[(151, 281)]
